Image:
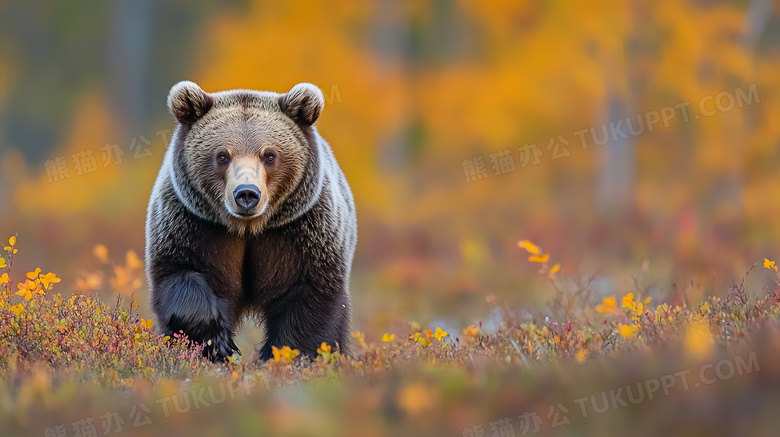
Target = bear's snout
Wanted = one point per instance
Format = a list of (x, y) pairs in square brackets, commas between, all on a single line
[(247, 196)]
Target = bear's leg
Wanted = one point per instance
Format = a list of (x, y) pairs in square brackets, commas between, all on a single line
[(343, 327), (185, 302), (303, 319)]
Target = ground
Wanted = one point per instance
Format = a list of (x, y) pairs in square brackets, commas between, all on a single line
[(631, 364)]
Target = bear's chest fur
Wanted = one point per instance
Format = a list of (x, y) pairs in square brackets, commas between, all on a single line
[(272, 263), (245, 268)]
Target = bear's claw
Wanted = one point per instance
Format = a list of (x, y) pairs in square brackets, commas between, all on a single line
[(220, 347)]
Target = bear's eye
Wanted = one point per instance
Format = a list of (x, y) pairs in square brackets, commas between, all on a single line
[(223, 158), (270, 157)]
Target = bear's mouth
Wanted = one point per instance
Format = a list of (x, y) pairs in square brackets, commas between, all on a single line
[(246, 213)]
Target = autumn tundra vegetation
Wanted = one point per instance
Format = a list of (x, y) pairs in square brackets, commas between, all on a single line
[(91, 363)]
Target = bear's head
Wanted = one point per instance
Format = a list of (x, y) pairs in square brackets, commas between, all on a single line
[(245, 159)]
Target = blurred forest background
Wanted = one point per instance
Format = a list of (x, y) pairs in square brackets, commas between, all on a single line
[(417, 94)]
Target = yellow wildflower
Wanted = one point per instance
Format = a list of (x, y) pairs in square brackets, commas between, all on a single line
[(609, 305), (440, 333), (361, 339), (424, 341), (471, 331), (48, 279), (285, 354), (539, 258), (324, 349), (125, 280), (628, 331), (528, 246), (628, 301), (92, 281), (11, 244), (635, 308), (101, 253), (387, 338), (4, 278), (133, 262), (27, 289), (34, 275), (3, 263), (770, 265)]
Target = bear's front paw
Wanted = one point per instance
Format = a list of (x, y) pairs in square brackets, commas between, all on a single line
[(184, 302), (214, 336), (220, 347)]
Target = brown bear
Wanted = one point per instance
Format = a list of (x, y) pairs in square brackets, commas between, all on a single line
[(250, 216)]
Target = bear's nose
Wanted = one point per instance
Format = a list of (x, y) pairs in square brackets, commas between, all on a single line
[(247, 196)]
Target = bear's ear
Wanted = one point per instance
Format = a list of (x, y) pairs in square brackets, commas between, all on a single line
[(303, 103), (188, 102)]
